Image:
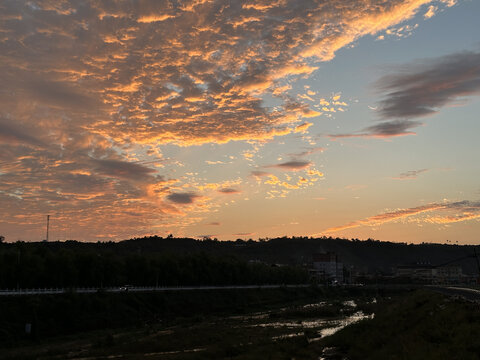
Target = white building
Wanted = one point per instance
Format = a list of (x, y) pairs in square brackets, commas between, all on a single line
[(327, 267)]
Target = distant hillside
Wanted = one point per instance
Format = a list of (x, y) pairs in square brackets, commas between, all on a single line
[(369, 255)]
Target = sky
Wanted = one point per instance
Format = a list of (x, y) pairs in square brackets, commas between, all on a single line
[(240, 119)]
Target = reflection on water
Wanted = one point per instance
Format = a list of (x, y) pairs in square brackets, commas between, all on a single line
[(286, 336), (340, 324), (291, 324), (280, 329), (315, 305), (326, 327), (350, 303), (175, 352), (330, 327)]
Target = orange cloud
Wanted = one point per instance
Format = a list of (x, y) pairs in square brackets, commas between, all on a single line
[(452, 219), (465, 210), (303, 127), (355, 25), (154, 18), (97, 85), (386, 217)]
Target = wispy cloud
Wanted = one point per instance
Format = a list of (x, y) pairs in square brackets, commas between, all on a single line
[(430, 12), (420, 89), (409, 175), (307, 152), (229, 191), (423, 87), (244, 234), (464, 210), (387, 129), (293, 165), (258, 173)]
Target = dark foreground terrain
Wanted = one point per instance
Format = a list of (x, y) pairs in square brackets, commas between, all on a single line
[(417, 325), (310, 323)]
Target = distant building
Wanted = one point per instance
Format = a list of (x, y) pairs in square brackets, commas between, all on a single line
[(419, 271), (425, 272), (327, 267), (450, 274)]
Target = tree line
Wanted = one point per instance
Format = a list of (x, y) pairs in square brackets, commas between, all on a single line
[(27, 265)]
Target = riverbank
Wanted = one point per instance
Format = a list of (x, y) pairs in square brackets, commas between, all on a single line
[(128, 324), (308, 323), (419, 325)]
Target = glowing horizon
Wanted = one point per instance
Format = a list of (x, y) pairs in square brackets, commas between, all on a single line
[(257, 119)]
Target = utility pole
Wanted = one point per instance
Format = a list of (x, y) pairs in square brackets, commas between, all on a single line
[(48, 224)]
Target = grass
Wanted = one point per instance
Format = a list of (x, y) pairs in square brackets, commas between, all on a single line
[(277, 325), (240, 325), (421, 325)]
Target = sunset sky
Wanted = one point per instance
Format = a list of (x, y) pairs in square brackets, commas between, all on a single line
[(240, 119)]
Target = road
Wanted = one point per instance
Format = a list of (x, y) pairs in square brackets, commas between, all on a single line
[(466, 293), (123, 289), (454, 291)]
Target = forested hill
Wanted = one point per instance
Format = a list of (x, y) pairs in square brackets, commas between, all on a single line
[(369, 255)]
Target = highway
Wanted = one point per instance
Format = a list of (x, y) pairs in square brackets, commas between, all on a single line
[(127, 288), (454, 291)]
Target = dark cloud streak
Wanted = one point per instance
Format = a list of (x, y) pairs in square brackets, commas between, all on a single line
[(257, 173), (122, 169), (411, 174), (307, 152), (229, 191), (183, 198), (292, 165), (422, 88), (10, 132)]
